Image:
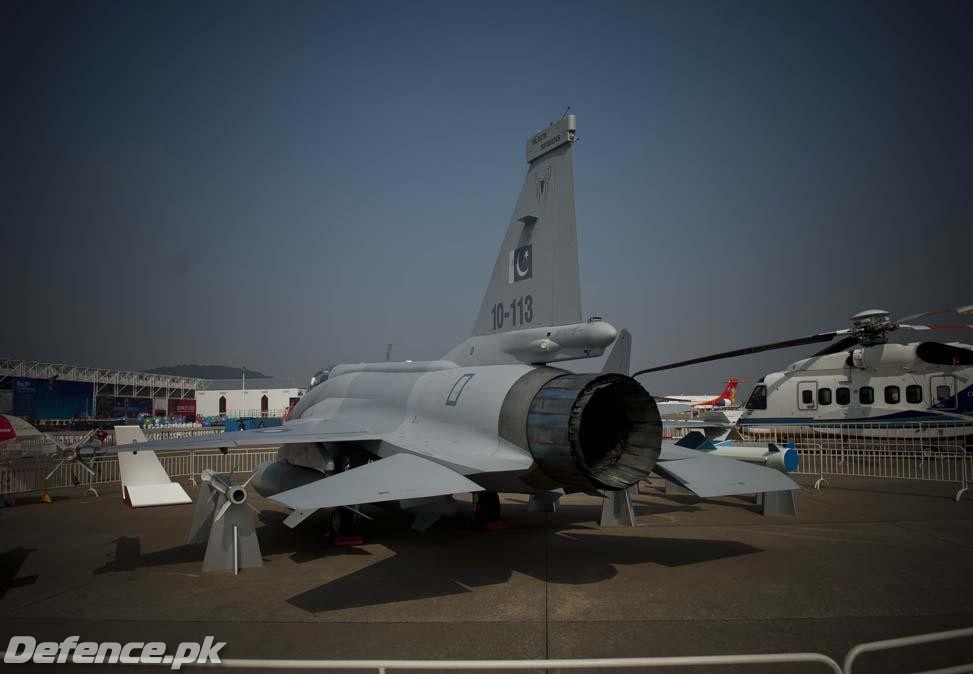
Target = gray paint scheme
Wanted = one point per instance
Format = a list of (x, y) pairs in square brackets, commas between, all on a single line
[(617, 510), (544, 219), (709, 476), (392, 431), (223, 519), (399, 477), (619, 361)]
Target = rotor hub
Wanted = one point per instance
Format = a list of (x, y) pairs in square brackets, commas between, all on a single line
[(871, 326)]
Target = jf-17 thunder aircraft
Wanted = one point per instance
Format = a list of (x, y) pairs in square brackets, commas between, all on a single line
[(492, 415)]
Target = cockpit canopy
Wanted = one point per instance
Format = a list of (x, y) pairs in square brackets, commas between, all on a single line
[(320, 376)]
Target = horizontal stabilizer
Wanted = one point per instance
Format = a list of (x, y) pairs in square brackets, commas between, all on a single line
[(693, 440), (709, 476), (401, 476)]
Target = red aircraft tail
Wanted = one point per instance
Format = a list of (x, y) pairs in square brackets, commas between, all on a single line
[(730, 392)]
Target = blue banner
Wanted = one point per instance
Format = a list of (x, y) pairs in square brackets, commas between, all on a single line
[(110, 407), (52, 399)]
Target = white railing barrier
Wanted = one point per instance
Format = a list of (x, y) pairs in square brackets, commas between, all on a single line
[(931, 451), (901, 642), (384, 666), (942, 466), (256, 413), (26, 446), (17, 477)]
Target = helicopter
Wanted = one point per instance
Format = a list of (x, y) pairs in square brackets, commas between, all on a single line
[(863, 383)]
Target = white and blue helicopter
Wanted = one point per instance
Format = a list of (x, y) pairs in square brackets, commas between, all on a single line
[(863, 384)]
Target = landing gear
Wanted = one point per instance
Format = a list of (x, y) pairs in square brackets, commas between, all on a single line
[(346, 527), (486, 510)]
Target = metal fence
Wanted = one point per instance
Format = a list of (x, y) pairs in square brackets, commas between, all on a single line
[(43, 444), (934, 452), (256, 413), (930, 436), (17, 477)]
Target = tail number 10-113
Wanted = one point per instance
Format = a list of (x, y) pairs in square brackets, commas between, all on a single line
[(520, 311)]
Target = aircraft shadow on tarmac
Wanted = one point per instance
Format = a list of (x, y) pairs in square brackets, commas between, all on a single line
[(10, 563), (425, 571), (275, 539), (455, 556)]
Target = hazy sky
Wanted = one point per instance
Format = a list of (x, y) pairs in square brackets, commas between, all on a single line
[(287, 185)]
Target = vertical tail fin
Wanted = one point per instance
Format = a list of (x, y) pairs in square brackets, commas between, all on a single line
[(535, 280), (619, 360), (730, 392)]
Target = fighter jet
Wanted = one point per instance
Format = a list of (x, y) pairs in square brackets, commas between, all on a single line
[(492, 415)]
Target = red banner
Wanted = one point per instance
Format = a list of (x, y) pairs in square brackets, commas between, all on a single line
[(6, 429), (182, 407)]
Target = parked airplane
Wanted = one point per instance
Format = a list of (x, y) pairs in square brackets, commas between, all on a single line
[(724, 399), (862, 380), (13, 428), (492, 415), (21, 440)]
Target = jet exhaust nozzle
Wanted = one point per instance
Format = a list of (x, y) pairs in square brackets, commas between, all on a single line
[(588, 431)]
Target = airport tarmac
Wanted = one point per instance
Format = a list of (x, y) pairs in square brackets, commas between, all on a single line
[(863, 560)]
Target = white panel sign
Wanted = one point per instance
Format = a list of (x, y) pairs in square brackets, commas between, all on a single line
[(552, 137)]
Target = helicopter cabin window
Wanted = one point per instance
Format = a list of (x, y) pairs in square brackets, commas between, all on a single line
[(757, 399), (807, 397), (824, 396), (866, 395), (943, 393), (913, 394), (842, 395), (892, 395)]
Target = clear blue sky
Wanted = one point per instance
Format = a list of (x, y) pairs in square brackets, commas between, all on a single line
[(287, 185)]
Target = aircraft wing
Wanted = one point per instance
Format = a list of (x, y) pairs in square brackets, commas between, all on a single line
[(298, 431), (708, 476), (398, 477)]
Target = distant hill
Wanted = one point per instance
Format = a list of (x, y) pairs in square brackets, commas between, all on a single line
[(207, 371)]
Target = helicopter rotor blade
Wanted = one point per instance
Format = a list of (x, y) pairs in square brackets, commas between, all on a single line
[(839, 346), (800, 341), (939, 326), (962, 311)]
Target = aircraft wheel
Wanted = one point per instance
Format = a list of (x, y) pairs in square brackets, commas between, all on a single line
[(487, 506), (345, 523)]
